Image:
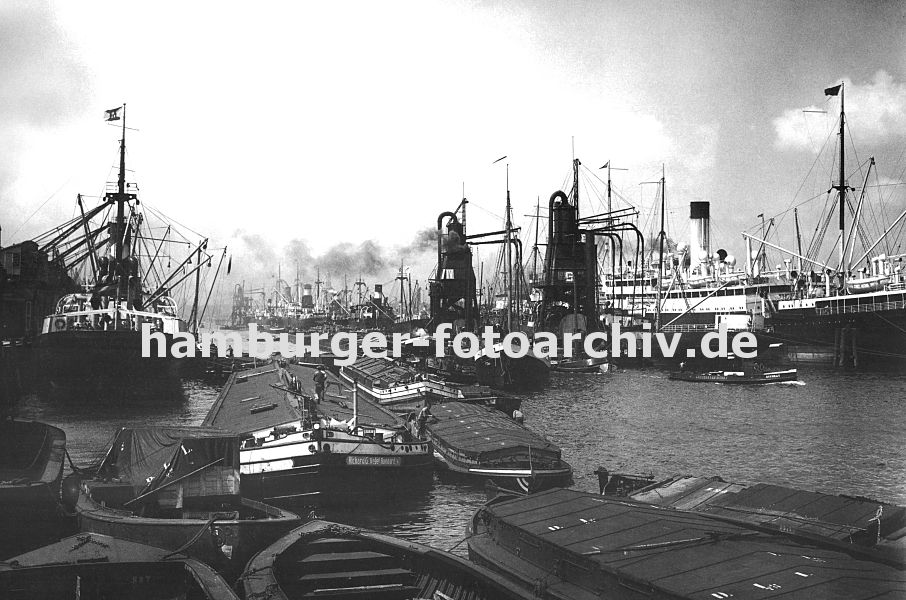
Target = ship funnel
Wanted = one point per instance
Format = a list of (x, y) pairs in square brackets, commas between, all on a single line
[(306, 301), (699, 232)]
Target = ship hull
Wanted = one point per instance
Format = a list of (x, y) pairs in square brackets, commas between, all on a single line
[(225, 543), (476, 443), (103, 359), (520, 481), (337, 479), (31, 469), (848, 329)]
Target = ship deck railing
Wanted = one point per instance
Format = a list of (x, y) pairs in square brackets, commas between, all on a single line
[(692, 327), (860, 308)]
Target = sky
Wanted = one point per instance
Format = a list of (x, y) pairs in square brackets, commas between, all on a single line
[(333, 134)]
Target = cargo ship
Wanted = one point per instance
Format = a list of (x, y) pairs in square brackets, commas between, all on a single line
[(93, 339)]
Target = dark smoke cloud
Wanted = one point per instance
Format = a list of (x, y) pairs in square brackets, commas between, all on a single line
[(256, 260), (368, 258), (424, 241), (43, 84)]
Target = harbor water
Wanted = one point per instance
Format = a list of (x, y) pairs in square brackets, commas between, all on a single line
[(838, 432)]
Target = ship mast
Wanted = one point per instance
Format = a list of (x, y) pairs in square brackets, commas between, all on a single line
[(798, 238), (318, 283), (507, 275), (121, 209), (574, 234), (535, 248), (402, 278), (610, 243), (661, 235), (841, 184), (121, 194), (195, 302)]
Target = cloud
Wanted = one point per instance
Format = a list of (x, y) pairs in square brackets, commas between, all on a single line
[(700, 153), (43, 84), (875, 111)]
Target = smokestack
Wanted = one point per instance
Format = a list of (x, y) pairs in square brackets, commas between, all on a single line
[(306, 301), (699, 233)]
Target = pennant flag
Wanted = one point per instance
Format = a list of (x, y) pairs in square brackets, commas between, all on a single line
[(833, 91), (230, 265), (113, 114), (607, 164)]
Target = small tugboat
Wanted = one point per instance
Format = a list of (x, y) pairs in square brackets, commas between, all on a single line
[(738, 372), (481, 443), (570, 544), (179, 489), (91, 566), (328, 560), (581, 365), (345, 450)]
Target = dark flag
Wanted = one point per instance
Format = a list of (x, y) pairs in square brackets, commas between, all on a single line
[(229, 265), (833, 91), (113, 114)]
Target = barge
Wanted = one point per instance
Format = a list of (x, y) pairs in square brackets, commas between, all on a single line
[(570, 544), (480, 443), (296, 451)]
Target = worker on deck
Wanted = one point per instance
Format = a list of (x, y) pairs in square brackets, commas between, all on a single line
[(518, 416), (422, 420), (320, 379)]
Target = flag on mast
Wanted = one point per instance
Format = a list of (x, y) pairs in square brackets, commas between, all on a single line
[(112, 114), (833, 91)]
